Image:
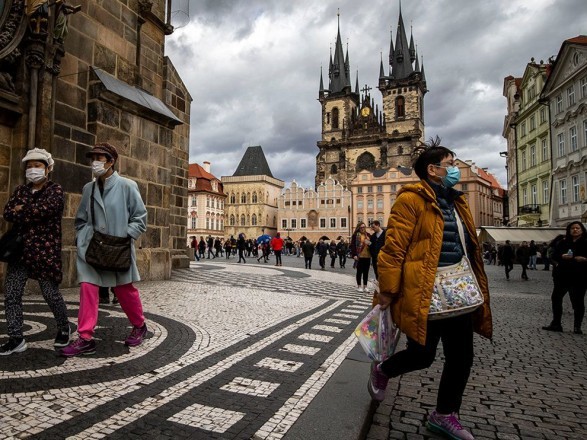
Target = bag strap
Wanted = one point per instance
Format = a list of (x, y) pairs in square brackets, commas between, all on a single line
[(92, 205), (461, 231)]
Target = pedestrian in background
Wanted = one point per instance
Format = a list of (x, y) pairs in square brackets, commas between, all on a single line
[(377, 242), (194, 246), (422, 235), (332, 253), (210, 247), (202, 248), (342, 249), (523, 257), (227, 248), (308, 251), (35, 210), (359, 246), (533, 255), (507, 258), (277, 246), (241, 245), (569, 275), (113, 205), (322, 250), (544, 256)]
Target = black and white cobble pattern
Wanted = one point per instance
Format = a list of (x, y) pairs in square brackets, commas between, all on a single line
[(212, 368)]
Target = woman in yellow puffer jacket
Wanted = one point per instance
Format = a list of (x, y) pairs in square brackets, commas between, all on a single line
[(421, 236)]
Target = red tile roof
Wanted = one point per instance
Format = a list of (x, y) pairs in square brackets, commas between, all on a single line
[(579, 39), (204, 179)]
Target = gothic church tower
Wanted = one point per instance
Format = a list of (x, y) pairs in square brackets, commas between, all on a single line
[(356, 134)]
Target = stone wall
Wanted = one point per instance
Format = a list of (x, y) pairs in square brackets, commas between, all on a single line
[(124, 42)]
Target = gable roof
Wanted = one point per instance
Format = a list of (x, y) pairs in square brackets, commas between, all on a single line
[(558, 65), (204, 179), (253, 163)]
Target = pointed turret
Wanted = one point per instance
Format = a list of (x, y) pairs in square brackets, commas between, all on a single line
[(412, 50), (321, 91), (381, 70), (417, 65), (357, 84), (391, 51), (339, 75), (401, 66), (423, 74)]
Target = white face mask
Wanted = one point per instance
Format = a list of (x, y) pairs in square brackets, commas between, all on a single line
[(98, 168), (35, 175)]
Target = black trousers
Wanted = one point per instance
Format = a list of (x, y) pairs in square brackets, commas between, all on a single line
[(577, 296), (322, 261), (509, 266), (342, 259), (308, 261), (241, 255), (457, 342), (277, 257), (524, 269), (363, 265)]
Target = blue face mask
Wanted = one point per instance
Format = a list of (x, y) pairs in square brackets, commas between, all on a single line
[(453, 175)]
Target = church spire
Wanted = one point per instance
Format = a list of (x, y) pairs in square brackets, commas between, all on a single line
[(401, 66), (391, 51), (417, 65), (357, 83), (412, 50), (321, 91), (340, 72), (423, 74)]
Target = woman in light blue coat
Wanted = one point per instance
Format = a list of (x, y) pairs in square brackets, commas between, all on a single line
[(119, 210)]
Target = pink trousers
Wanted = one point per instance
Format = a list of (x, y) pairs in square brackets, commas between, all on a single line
[(128, 297)]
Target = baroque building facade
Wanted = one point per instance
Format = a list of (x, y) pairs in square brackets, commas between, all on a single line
[(72, 76), (565, 92), (206, 199), (313, 214), (532, 130), (511, 91), (356, 134), (252, 194)]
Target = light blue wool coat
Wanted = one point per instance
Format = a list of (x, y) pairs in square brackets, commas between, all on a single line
[(120, 212)]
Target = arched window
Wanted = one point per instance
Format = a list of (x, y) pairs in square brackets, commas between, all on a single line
[(333, 169), (232, 221), (400, 107), (335, 117), (248, 219), (365, 161), (248, 197), (254, 220), (242, 220), (243, 198), (232, 198), (254, 197)]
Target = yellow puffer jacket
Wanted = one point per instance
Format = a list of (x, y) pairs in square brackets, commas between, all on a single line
[(408, 261)]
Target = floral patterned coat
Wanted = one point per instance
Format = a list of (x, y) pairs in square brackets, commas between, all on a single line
[(39, 222)]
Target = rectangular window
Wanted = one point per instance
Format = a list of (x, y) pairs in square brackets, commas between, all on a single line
[(542, 115), (369, 189), (532, 123), (303, 223), (533, 156), (523, 128), (563, 191), (360, 190), (333, 223), (573, 138), (343, 223), (571, 95), (545, 192), (370, 204), (207, 223), (379, 188), (464, 187), (575, 188), (294, 223), (561, 144), (369, 221), (322, 223), (559, 104), (583, 87), (534, 191), (283, 223), (194, 219), (379, 203), (359, 204), (525, 196), (393, 188), (544, 149), (524, 161)]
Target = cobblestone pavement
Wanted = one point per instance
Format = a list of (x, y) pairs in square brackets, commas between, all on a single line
[(240, 351), (528, 384), (233, 351)]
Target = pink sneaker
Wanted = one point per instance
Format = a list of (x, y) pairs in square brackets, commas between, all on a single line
[(136, 336), (449, 426), (81, 346), (377, 382)]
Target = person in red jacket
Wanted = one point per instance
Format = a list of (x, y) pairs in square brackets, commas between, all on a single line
[(277, 246)]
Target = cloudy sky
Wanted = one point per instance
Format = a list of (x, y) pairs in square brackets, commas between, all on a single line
[(253, 69)]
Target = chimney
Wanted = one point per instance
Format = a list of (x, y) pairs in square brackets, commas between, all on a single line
[(206, 166)]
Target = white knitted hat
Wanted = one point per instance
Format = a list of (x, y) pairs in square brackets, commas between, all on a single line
[(41, 155)]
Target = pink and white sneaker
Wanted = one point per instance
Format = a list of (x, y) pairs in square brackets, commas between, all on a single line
[(449, 426)]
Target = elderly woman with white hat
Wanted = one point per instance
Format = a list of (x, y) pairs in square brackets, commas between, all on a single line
[(35, 210)]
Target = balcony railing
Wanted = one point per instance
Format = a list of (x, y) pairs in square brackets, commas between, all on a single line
[(530, 209)]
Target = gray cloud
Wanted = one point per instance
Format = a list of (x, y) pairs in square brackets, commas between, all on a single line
[(253, 70)]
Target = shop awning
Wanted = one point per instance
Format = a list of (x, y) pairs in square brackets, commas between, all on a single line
[(517, 235)]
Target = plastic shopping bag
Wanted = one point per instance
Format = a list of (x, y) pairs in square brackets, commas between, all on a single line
[(377, 334)]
